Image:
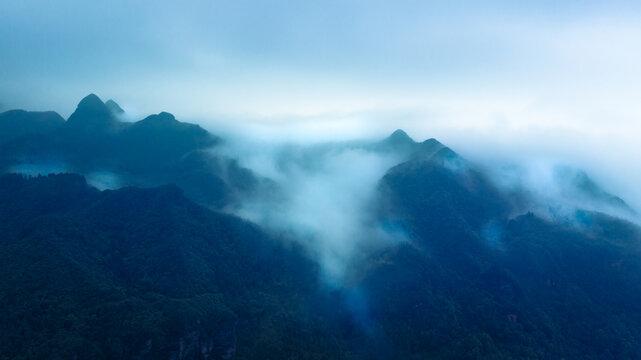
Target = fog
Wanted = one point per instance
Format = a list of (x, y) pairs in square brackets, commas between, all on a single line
[(498, 81), (323, 196), (541, 98), (528, 143), (323, 173), (100, 179), (520, 90), (326, 186)]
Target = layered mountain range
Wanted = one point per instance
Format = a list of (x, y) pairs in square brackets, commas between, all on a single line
[(133, 240), (154, 151)]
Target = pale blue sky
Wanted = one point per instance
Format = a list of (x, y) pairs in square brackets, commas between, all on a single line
[(549, 78), (308, 57)]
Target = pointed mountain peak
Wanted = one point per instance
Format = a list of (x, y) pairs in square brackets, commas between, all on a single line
[(399, 137), (429, 148), (397, 141), (114, 107), (92, 113), (91, 101)]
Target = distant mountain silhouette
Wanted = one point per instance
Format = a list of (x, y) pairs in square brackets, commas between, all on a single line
[(114, 107), (160, 149), (164, 137), (17, 123), (92, 115), (577, 183), (398, 139), (154, 151), (143, 272)]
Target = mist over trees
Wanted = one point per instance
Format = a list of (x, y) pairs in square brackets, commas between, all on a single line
[(173, 242)]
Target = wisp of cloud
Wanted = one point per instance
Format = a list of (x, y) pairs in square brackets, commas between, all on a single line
[(323, 197)]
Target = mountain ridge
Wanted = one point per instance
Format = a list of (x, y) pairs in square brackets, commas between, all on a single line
[(159, 267), (107, 144), (92, 114)]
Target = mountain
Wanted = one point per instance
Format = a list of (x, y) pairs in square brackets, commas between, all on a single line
[(525, 288), (437, 183), (398, 141), (165, 139), (146, 274), (17, 123), (151, 152), (577, 184), (158, 268), (114, 108), (92, 115), (474, 282)]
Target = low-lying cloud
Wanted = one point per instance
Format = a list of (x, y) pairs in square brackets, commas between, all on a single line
[(324, 197)]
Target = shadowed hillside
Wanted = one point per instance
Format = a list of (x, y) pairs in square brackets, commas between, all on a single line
[(383, 249), (151, 152)]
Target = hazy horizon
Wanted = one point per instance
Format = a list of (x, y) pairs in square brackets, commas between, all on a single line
[(496, 82), (294, 222)]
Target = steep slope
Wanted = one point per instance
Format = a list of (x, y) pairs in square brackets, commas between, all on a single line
[(92, 115), (145, 274), (435, 186), (151, 152), (576, 184), (142, 274), (115, 109), (473, 283), (398, 142), (547, 291)]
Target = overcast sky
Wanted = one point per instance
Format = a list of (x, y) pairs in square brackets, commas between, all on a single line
[(554, 79)]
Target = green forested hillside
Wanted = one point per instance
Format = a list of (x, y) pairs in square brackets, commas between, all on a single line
[(146, 273), (119, 274), (474, 283)]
